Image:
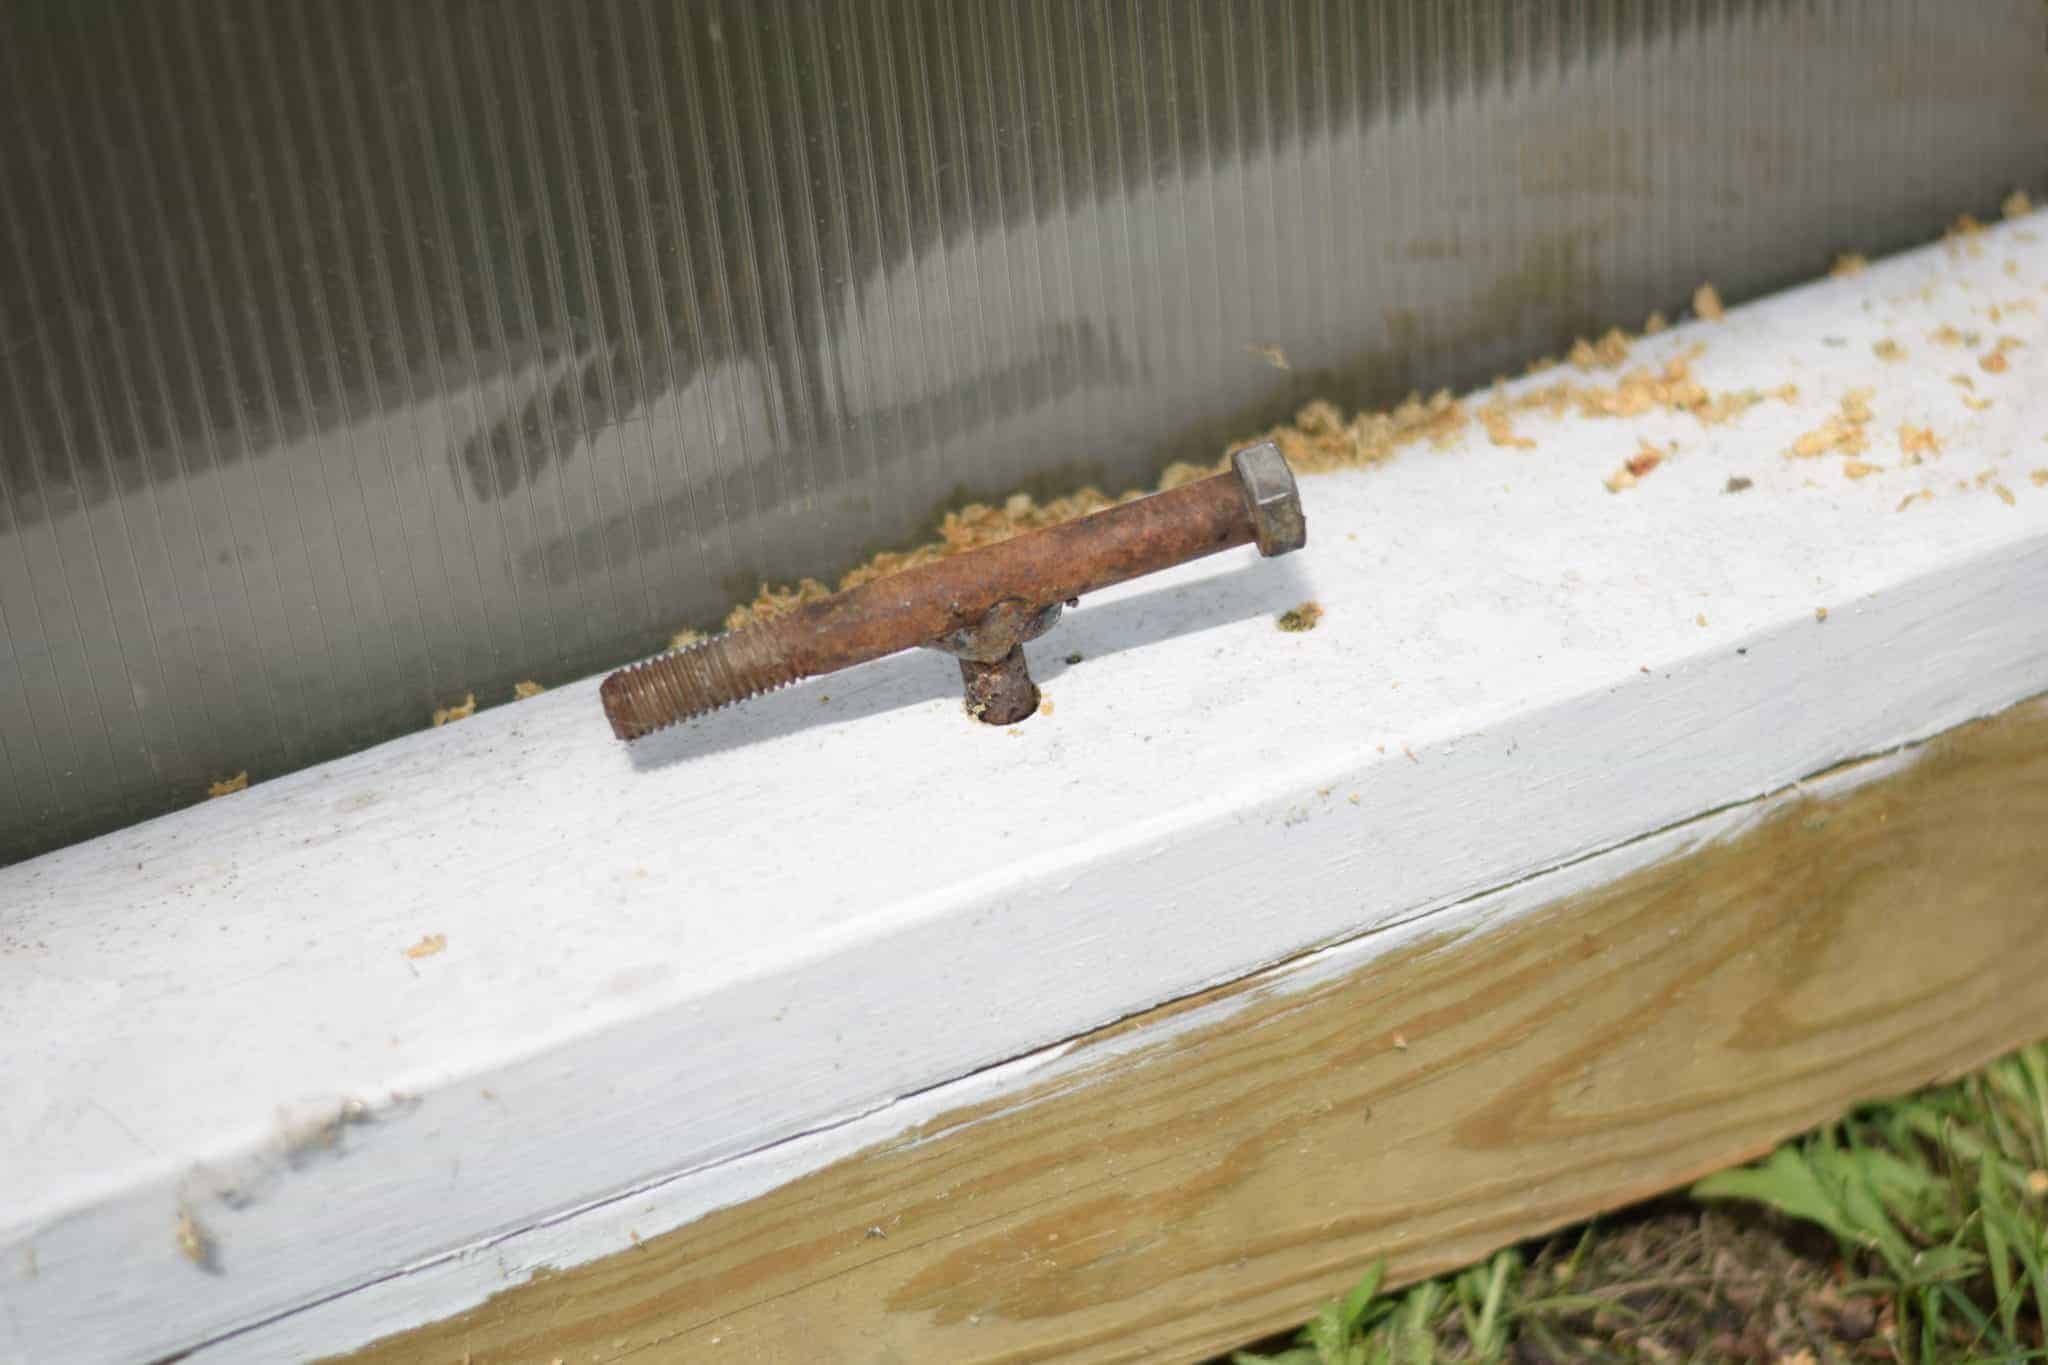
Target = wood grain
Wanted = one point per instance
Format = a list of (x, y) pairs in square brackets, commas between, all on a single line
[(1175, 1199)]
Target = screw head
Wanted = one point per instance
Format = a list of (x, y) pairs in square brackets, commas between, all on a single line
[(1272, 498)]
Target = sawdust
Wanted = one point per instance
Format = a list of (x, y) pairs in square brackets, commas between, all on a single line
[(1860, 469), (1272, 355), (1608, 353), (1917, 441), (1848, 263), (1993, 362), (1301, 618), (2040, 478), (1320, 439), (1962, 237), (1494, 417), (1844, 433), (2004, 495), (1646, 458), (194, 1243), (428, 945), (1924, 495), (463, 711), (2018, 204), (229, 786), (523, 690)]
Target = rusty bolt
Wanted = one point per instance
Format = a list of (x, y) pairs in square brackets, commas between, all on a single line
[(980, 607)]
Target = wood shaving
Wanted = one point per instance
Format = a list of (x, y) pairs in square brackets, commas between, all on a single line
[(2005, 494), (2040, 478), (2018, 204), (1045, 706), (1974, 404), (194, 1242), (1924, 495), (229, 786), (683, 639), (1918, 440), (1946, 335), (1494, 417), (444, 714), (1609, 353), (1859, 469), (1848, 263), (428, 945), (1993, 362), (1841, 434), (523, 690), (1654, 324), (1301, 618), (1706, 303), (1963, 235), (1888, 350), (1646, 458)]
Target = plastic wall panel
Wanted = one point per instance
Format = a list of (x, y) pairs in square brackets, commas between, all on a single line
[(359, 354)]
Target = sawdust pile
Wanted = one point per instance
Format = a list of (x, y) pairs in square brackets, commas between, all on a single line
[(1322, 439)]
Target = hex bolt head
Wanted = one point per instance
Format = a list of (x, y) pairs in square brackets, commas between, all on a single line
[(1274, 501)]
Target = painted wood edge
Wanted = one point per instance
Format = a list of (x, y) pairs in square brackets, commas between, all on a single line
[(1516, 1063)]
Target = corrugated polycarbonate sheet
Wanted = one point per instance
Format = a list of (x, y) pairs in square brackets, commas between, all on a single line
[(359, 355)]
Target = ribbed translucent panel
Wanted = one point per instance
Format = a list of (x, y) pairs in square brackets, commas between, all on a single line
[(359, 354)]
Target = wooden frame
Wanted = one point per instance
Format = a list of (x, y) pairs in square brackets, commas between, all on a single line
[(351, 1052), (1193, 1178)]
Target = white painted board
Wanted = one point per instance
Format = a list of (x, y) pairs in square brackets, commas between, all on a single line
[(774, 920)]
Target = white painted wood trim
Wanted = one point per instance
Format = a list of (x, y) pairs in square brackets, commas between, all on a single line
[(662, 962)]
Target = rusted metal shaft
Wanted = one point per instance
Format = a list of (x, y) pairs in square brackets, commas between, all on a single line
[(932, 602)]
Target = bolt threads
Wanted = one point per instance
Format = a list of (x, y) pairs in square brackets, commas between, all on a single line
[(650, 696)]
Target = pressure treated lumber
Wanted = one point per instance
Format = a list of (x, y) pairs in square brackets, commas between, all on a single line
[(1474, 1087)]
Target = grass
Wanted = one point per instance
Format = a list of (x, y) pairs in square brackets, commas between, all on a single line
[(1912, 1231)]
